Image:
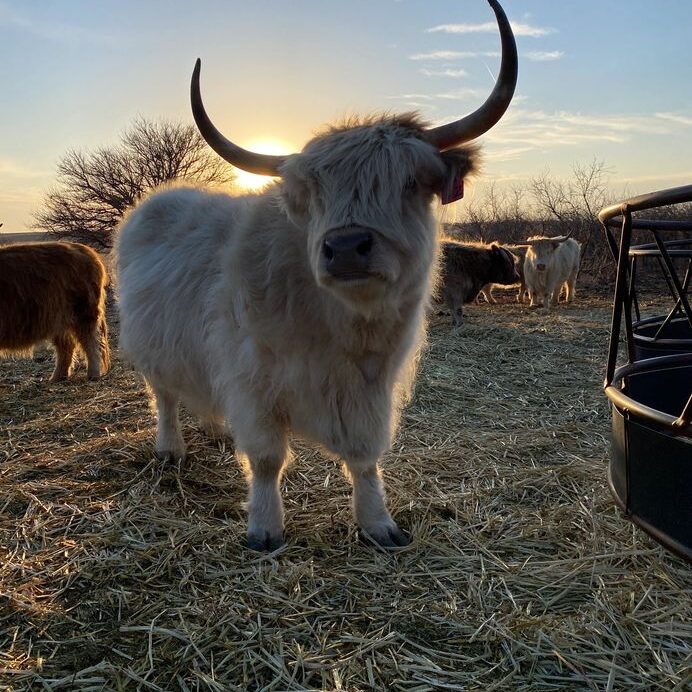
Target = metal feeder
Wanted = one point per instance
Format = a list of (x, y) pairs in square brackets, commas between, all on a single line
[(650, 471), (671, 333)]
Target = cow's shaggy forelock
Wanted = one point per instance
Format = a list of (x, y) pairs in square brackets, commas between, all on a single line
[(373, 173)]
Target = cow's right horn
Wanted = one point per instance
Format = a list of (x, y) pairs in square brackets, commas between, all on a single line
[(260, 164), (482, 119)]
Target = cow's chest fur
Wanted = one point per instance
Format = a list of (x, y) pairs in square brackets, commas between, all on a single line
[(343, 399), (543, 280)]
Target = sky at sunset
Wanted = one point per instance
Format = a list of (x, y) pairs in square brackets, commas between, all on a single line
[(610, 79)]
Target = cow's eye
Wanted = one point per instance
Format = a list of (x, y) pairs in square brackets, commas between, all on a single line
[(411, 185)]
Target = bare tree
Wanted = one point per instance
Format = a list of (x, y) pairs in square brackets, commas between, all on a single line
[(574, 204), (94, 189)]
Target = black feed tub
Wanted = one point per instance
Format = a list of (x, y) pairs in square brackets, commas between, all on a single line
[(650, 473), (650, 470), (655, 337)]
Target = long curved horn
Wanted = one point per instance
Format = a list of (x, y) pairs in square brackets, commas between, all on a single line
[(482, 119), (261, 164)]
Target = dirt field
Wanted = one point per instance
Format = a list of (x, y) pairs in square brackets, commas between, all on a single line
[(118, 573)]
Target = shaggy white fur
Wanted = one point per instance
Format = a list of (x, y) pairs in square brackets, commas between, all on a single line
[(225, 304), (550, 264)]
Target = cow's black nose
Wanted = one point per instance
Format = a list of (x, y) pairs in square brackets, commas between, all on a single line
[(347, 253)]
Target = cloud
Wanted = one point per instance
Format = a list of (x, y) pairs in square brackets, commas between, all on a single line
[(460, 94), (544, 55), (672, 177), (10, 168), (453, 55), (541, 130), (455, 95), (448, 72), (675, 118), (417, 105), (519, 29), (413, 97), (534, 55), (500, 155), (522, 131)]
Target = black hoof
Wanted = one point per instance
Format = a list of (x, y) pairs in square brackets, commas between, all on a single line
[(391, 537), (266, 543), (168, 457)]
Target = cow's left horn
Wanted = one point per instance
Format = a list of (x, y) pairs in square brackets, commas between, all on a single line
[(482, 119), (261, 164)]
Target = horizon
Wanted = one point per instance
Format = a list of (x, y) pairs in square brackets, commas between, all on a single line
[(95, 69)]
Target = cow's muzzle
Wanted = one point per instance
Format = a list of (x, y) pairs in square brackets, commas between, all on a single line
[(347, 253)]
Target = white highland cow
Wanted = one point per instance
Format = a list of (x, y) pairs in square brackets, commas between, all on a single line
[(550, 264), (300, 309)]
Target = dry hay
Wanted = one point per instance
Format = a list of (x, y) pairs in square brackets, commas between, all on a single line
[(117, 573)]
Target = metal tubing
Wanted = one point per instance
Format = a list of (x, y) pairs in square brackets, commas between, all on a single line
[(619, 300), (673, 275), (673, 195)]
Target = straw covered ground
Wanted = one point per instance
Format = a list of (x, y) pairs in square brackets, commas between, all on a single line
[(117, 573)]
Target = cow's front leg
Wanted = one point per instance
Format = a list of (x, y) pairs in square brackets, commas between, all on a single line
[(169, 439), (266, 453), (369, 507), (548, 299)]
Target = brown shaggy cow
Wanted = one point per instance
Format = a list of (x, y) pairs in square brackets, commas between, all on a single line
[(467, 267), (54, 292), (519, 254)]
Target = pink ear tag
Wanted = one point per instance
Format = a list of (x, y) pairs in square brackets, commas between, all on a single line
[(454, 192)]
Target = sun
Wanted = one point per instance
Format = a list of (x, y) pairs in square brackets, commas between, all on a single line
[(249, 182)]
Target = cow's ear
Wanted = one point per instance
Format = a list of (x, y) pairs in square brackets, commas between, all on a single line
[(296, 195), (459, 163)]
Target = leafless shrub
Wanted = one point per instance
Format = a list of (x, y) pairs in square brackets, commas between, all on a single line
[(94, 189)]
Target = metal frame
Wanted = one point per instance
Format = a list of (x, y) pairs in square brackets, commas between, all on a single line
[(625, 300), (650, 470)]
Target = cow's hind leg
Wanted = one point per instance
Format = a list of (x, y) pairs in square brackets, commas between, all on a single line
[(169, 439), (522, 292), (93, 338), (65, 346), (369, 506), (571, 286)]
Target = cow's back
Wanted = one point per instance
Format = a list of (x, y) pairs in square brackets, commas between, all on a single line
[(465, 269), (571, 253), (565, 260), (168, 256)]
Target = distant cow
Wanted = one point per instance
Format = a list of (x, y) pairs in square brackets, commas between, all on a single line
[(550, 264), (519, 254), (466, 268), (54, 292)]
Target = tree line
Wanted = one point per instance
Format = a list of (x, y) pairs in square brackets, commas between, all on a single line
[(94, 189)]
